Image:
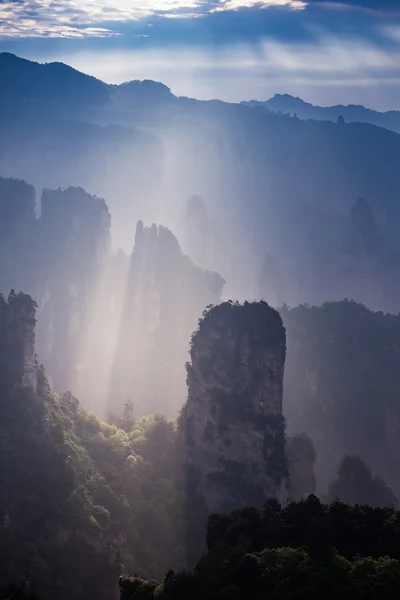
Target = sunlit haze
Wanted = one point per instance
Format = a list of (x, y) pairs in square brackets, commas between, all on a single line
[(326, 52), (199, 299)]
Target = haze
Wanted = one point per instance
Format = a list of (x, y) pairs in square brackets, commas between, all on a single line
[(199, 295), (326, 52)]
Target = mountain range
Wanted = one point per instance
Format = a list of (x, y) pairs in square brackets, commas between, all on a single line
[(276, 179), (284, 103), (27, 84)]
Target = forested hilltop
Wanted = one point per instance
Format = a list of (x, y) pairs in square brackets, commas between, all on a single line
[(306, 550), (80, 500)]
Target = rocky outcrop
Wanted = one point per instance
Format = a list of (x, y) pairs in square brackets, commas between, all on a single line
[(363, 258), (166, 294), (17, 235), (18, 364), (233, 427), (74, 239)]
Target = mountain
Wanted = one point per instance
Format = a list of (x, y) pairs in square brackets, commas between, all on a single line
[(291, 210), (27, 84), (146, 95), (60, 90), (287, 104), (271, 184), (55, 87)]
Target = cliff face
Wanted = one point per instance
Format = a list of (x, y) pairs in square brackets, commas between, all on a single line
[(364, 259), (166, 294), (17, 231), (73, 246), (60, 259), (17, 342), (233, 426), (342, 386)]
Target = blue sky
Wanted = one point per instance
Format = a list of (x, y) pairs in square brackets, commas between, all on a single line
[(326, 51)]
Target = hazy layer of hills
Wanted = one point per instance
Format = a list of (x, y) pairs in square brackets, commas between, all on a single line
[(284, 103), (26, 84), (271, 184)]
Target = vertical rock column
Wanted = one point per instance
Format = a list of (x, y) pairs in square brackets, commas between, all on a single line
[(233, 428), (166, 294), (74, 240), (18, 364)]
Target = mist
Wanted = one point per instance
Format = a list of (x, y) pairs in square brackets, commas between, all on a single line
[(329, 68), (200, 303)]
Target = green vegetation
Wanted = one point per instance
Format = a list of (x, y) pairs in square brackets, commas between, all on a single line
[(307, 550), (82, 501), (253, 320)]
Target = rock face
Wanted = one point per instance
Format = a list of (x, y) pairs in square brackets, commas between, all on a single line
[(17, 342), (165, 296), (74, 239), (342, 386), (364, 259), (17, 231), (233, 428)]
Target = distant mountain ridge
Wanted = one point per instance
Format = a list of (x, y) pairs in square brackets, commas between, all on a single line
[(59, 88), (51, 90), (284, 185), (287, 104)]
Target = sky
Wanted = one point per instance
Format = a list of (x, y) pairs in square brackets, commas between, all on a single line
[(325, 51)]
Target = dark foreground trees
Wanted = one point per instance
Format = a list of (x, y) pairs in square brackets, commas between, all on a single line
[(307, 550)]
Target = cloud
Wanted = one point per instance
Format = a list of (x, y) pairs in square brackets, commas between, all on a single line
[(381, 6), (236, 53), (113, 18), (235, 4), (327, 71), (63, 18), (99, 18)]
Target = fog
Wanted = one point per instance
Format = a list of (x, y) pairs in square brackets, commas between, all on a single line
[(199, 299), (141, 208)]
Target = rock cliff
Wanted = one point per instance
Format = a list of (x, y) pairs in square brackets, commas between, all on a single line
[(233, 427), (165, 296), (73, 246), (17, 235), (17, 342), (342, 386)]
